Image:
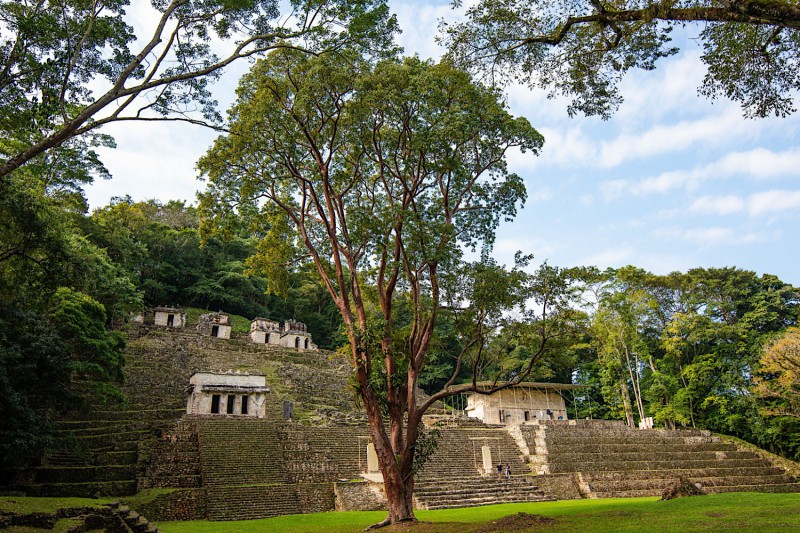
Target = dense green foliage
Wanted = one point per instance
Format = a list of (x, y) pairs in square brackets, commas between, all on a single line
[(66, 278), (583, 48), (686, 348), (70, 67), (58, 292)]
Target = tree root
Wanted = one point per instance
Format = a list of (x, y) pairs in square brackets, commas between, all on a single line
[(388, 522)]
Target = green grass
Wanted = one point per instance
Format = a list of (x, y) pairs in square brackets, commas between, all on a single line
[(755, 512), (27, 505)]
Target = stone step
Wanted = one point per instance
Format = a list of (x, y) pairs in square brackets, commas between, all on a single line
[(170, 481), (83, 474), (561, 448), (82, 490), (477, 502), (671, 474), (775, 488), (591, 456), (557, 468), (496, 492), (645, 484)]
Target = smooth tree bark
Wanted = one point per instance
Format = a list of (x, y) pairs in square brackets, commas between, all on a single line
[(379, 174)]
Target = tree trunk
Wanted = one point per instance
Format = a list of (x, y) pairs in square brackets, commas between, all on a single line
[(398, 483), (626, 400)]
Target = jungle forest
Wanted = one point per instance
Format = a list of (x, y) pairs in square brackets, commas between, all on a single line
[(360, 191)]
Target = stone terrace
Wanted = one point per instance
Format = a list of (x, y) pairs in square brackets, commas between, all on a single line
[(615, 461), (234, 467)]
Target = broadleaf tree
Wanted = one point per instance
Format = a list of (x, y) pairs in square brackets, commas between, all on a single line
[(72, 66), (583, 48), (385, 173)]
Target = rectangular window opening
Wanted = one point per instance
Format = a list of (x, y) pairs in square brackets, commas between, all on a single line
[(231, 401), (215, 331), (170, 320), (245, 401), (527, 415), (215, 404)]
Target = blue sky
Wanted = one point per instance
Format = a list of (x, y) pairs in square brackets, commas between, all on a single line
[(672, 181)]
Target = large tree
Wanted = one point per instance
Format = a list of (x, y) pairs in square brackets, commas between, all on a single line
[(381, 174), (72, 66), (582, 48)]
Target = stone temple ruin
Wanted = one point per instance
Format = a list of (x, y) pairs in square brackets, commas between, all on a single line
[(169, 316), (523, 403), (214, 325), (212, 393), (293, 334), (207, 419)]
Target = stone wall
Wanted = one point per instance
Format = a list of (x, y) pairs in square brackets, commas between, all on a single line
[(181, 504), (360, 496)]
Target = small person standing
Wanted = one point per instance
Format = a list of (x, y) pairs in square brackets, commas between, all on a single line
[(508, 471), (499, 469)]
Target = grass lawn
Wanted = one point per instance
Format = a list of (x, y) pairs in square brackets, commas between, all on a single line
[(717, 512)]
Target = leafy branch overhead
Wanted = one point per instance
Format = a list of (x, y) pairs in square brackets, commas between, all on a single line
[(583, 48), (67, 68)]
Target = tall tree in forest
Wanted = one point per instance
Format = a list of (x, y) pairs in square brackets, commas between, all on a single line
[(582, 49), (383, 173), (70, 67), (778, 381)]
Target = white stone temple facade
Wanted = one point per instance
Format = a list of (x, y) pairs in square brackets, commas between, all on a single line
[(172, 317), (214, 325), (293, 334), (525, 402), (215, 393)]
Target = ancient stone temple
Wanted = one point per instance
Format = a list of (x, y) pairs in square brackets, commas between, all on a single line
[(263, 331), (214, 325), (213, 393), (524, 402), (172, 317), (293, 334)]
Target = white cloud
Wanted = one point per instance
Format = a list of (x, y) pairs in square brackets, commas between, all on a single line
[(759, 163), (567, 146), (152, 160), (770, 202), (711, 236), (720, 205), (541, 194), (419, 25), (678, 136), (763, 203), (673, 85)]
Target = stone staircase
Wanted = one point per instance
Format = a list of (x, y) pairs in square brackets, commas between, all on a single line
[(243, 469), (98, 451), (614, 461), (453, 476), (476, 490)]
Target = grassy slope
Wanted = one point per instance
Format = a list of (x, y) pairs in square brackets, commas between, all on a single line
[(27, 505), (718, 512)]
